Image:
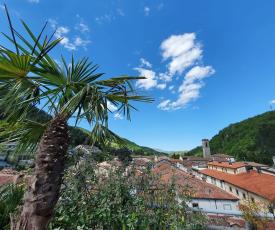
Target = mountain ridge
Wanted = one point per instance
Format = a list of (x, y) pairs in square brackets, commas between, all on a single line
[(252, 139)]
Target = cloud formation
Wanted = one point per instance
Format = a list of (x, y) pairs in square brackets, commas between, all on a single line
[(71, 43), (182, 51), (152, 79), (114, 109), (189, 90), (183, 55)]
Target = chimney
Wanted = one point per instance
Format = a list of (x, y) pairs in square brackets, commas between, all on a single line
[(206, 148)]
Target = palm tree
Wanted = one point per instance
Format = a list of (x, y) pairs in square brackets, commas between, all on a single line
[(66, 91)]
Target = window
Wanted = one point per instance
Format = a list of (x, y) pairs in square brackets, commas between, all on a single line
[(244, 196), (237, 192), (195, 205), (230, 188), (252, 199), (227, 207), (221, 184)]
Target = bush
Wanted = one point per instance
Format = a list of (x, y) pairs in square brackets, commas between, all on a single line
[(10, 199), (120, 200)]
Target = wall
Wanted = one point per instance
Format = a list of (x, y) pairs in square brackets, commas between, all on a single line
[(216, 206)]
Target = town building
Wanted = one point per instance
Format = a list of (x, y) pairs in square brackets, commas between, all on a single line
[(241, 180), (204, 196)]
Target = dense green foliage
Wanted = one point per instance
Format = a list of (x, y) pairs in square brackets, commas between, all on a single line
[(120, 201), (249, 140), (10, 198)]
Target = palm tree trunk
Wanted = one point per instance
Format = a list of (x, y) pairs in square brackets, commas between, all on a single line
[(44, 186)]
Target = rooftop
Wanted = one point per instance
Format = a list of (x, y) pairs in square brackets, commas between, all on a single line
[(202, 190), (234, 165), (6, 179), (258, 183), (221, 155)]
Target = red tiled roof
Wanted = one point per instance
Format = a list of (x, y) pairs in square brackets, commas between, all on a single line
[(258, 183), (5, 179), (234, 165), (254, 164), (203, 190), (271, 225), (194, 158), (221, 155), (225, 221)]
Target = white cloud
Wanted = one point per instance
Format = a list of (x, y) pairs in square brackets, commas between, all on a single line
[(118, 116), (145, 63), (190, 88), (165, 77), (150, 80), (272, 102), (182, 53), (69, 43), (82, 27), (161, 86), (104, 18), (111, 106), (182, 50), (146, 10), (78, 41), (197, 73), (114, 109), (164, 105), (33, 1)]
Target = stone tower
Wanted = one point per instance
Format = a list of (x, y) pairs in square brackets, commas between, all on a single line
[(206, 148)]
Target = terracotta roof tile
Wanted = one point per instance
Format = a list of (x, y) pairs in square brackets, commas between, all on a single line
[(258, 183), (203, 190), (234, 165), (6, 179)]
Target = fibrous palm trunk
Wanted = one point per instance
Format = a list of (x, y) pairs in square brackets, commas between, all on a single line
[(44, 186)]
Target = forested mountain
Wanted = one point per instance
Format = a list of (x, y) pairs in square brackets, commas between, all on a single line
[(80, 136), (252, 139)]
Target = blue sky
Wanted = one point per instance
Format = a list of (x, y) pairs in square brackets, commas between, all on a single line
[(209, 63)]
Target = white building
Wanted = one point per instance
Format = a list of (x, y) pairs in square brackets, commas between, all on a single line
[(204, 196), (241, 181)]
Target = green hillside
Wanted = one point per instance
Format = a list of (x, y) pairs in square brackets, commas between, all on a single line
[(80, 136), (252, 139)]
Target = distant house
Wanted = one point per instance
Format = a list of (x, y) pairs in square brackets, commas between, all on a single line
[(228, 167), (241, 180), (222, 157), (205, 197)]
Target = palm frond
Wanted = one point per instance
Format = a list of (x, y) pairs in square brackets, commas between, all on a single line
[(102, 135)]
